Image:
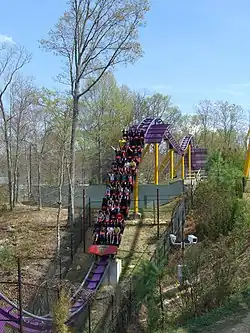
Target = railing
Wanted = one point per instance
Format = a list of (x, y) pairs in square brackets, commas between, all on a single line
[(121, 306)]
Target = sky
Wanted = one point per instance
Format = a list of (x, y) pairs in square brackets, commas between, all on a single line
[(193, 50)]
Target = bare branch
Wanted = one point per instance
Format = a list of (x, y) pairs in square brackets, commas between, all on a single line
[(15, 58)]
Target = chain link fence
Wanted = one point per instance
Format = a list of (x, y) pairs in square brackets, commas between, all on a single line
[(115, 306), (113, 309)]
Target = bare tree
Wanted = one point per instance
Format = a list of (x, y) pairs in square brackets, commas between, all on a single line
[(205, 112), (93, 36), (12, 59), (160, 106), (41, 129), (22, 96), (140, 106), (230, 119), (61, 127)]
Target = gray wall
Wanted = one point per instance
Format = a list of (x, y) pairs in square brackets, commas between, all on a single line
[(95, 193), (50, 194), (147, 193)]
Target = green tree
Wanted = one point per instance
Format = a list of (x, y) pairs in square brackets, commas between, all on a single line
[(92, 36), (107, 109)]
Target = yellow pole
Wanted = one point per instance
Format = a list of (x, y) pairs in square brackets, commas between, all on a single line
[(182, 167), (136, 184), (189, 161), (171, 151), (136, 195), (156, 163)]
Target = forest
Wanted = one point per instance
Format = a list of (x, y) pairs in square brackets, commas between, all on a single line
[(36, 130), (67, 136)]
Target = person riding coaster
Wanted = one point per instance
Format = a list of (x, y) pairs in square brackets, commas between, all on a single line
[(107, 218), (108, 191), (96, 233), (102, 236), (115, 205), (117, 235), (100, 217), (110, 233), (120, 220)]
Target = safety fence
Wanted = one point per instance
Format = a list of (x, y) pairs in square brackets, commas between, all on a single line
[(117, 307), (40, 298), (39, 294), (150, 204)]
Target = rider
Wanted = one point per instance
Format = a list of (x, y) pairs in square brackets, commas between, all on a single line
[(110, 232), (102, 235), (100, 217), (117, 232), (96, 232)]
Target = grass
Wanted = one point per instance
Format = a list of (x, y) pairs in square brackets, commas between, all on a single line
[(226, 316), (140, 239)]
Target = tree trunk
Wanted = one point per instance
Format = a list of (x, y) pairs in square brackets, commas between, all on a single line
[(60, 183), (99, 161), (9, 173), (27, 169), (16, 176), (8, 155), (72, 160), (30, 171), (39, 184), (17, 185)]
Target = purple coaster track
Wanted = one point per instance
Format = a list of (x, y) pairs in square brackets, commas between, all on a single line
[(155, 131), (9, 314)]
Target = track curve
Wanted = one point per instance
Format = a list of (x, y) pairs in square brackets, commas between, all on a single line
[(155, 131)]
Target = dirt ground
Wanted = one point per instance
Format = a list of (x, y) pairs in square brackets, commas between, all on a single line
[(32, 235)]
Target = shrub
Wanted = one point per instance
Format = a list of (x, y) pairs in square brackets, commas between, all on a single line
[(61, 312)]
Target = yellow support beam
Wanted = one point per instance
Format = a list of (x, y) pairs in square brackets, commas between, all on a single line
[(247, 162), (189, 161), (136, 195), (156, 163), (164, 163), (136, 185), (171, 152), (183, 167)]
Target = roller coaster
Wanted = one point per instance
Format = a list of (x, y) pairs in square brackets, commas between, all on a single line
[(136, 142)]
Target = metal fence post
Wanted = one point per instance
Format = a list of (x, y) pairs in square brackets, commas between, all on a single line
[(158, 213), (89, 213), (89, 316), (20, 302), (154, 212), (84, 219)]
